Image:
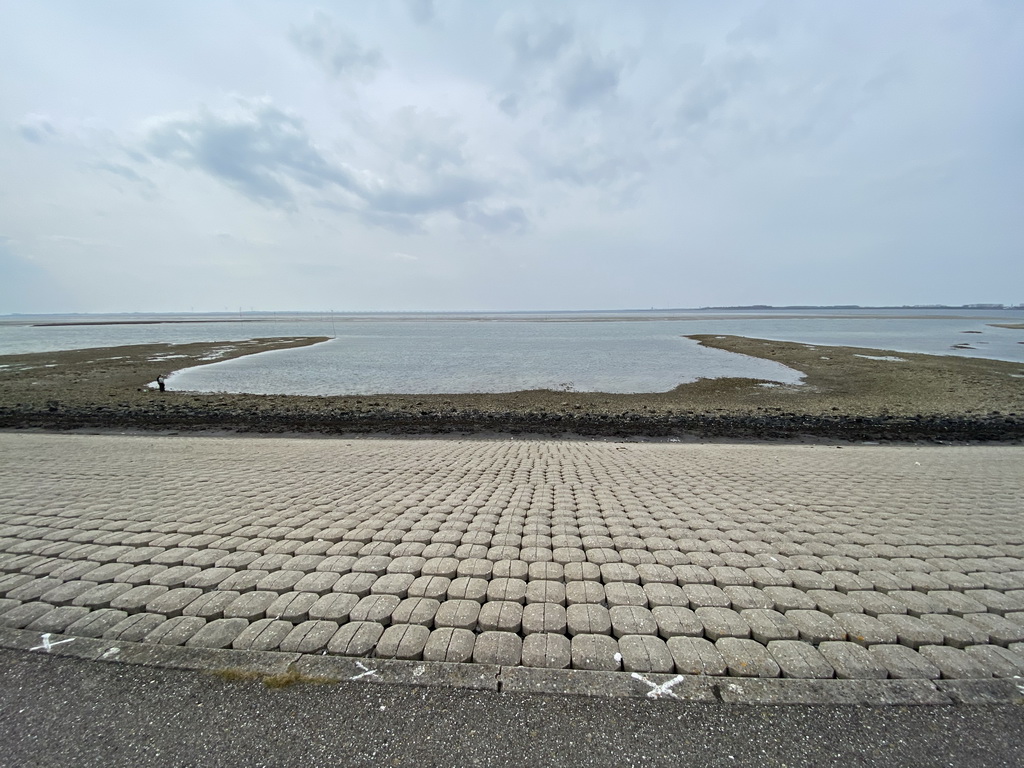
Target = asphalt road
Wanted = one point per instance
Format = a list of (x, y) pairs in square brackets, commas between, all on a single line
[(67, 712)]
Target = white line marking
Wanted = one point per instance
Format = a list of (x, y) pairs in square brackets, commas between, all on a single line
[(658, 691), (47, 645), (367, 672)]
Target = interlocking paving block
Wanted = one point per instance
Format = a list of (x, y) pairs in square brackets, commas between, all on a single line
[(243, 581), (33, 589), (956, 603), (136, 576), (292, 606), (318, 582), (904, 663), (542, 571), (450, 644), (790, 599), (875, 604), (375, 564), (58, 619), (376, 608), (357, 638), (632, 620), (279, 581), (727, 576), (101, 595), (911, 631), (543, 618), (815, 627), (762, 577), (356, 583), (645, 653), (496, 647), (883, 581), (800, 660), (304, 562), (12, 581), (219, 633), (134, 628), (459, 614), (396, 584), (468, 588), (655, 574), (625, 593), (595, 651), (545, 591), (175, 576), (208, 578), (696, 656), (588, 619), (250, 605), (846, 581), (110, 572), (662, 593), (832, 602), (706, 596), (1002, 662), (416, 610), (746, 658), (743, 598), (722, 622), (402, 641), (500, 615), (1001, 630), (956, 632), (767, 625), (865, 630), (958, 581), (677, 621), (339, 564), (95, 623), (434, 587), (506, 589), (66, 592), (1000, 602), (692, 574), (309, 637), (581, 572), (551, 651), (918, 603), (851, 661), (210, 605), (22, 615), (921, 581), (441, 566), (136, 599), (955, 664), (584, 592)]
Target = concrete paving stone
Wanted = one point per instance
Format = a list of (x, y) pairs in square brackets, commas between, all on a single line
[(1001, 631), (955, 664), (94, 623), (58, 619), (1000, 602), (143, 555), (596, 652), (662, 593), (748, 597), (101, 595), (6, 604), (619, 572), (567, 555), (956, 603), (805, 580), (236, 560), (851, 661), (460, 614), (510, 569), (375, 564), (722, 622), (500, 615), (134, 628), (309, 637), (204, 558), (957, 580), (1000, 582), (447, 567), (135, 575), (173, 556), (882, 581), (496, 647), (22, 615), (307, 563), (357, 638), (416, 610), (876, 604), (955, 631), (833, 602), (396, 584), (336, 606), (545, 571), (705, 596), (815, 627), (768, 625), (544, 591), (219, 633), (790, 598), (376, 608), (911, 631), (677, 621), (65, 593), (356, 583), (645, 653), (584, 592), (450, 644), (339, 564), (468, 588), (33, 589), (727, 576), (292, 606), (546, 650), (588, 619), (918, 603), (581, 572), (262, 635), (655, 574), (705, 559), (1000, 661), (903, 663), (108, 554), (696, 656), (402, 641), (136, 599), (433, 587), (279, 581), (505, 589), (623, 593), (208, 578), (692, 574), (922, 582), (865, 630), (746, 658), (740, 560), (250, 605), (544, 618), (210, 605), (632, 620), (243, 581), (797, 659), (473, 568), (269, 562), (11, 581)]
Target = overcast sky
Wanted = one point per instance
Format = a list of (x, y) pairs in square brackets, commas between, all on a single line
[(448, 155)]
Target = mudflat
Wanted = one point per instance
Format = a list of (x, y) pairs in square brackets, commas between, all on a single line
[(847, 392)]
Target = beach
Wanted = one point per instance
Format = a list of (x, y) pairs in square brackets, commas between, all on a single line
[(847, 393)]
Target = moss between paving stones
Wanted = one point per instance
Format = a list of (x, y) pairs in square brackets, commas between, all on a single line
[(843, 396)]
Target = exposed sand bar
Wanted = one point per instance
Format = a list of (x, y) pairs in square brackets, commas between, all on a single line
[(848, 392)]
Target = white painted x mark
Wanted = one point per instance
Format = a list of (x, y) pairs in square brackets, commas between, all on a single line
[(47, 645), (367, 672), (658, 691)]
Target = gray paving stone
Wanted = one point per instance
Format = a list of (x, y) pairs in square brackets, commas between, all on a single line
[(134, 628), (581, 572), (65, 593), (911, 631), (309, 637), (815, 627), (692, 574), (588, 619), (584, 592), (356, 583), (865, 630), (279, 582), (706, 596), (507, 590), (376, 608), (339, 564), (357, 638), (832, 602), (243, 581), (1001, 631), (434, 587), (1000, 602), (955, 664), (632, 620), (655, 574), (645, 653), (545, 591), (416, 610), (885, 582), (101, 595), (497, 647), (33, 589), (662, 593), (722, 622), (904, 663), (136, 599), (94, 623), (210, 605), (402, 641), (108, 572), (743, 598), (746, 658), (696, 656), (1002, 662), (219, 633), (396, 584), (677, 621), (250, 606), (847, 582), (789, 599), (208, 578), (458, 614), (767, 625), (851, 661), (22, 615), (624, 593), (800, 660), (468, 588), (595, 651), (547, 650), (292, 607), (136, 576), (500, 615), (544, 618), (447, 567), (768, 577), (58, 619), (727, 576), (450, 644), (956, 632), (918, 603), (956, 603)]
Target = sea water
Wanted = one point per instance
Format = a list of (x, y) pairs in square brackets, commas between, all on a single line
[(452, 353)]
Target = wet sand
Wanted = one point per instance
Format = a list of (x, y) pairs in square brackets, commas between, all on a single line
[(849, 393)]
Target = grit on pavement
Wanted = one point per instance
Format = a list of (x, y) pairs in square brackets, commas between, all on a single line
[(707, 560)]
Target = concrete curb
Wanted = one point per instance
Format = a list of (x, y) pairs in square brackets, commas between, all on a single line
[(279, 669)]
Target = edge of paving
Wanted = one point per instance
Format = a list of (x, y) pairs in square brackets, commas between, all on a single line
[(278, 669)]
